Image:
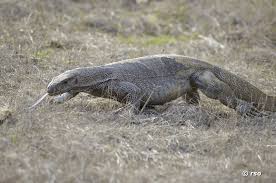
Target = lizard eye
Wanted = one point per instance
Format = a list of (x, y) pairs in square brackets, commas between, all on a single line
[(71, 81), (75, 81)]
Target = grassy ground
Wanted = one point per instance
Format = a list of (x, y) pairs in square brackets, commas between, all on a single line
[(81, 141)]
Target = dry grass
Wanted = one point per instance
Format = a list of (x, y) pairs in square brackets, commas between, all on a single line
[(82, 141)]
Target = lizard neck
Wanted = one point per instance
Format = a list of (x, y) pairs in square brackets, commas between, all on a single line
[(91, 77)]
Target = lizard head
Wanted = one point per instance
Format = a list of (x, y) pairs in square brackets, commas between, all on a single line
[(64, 82), (78, 80)]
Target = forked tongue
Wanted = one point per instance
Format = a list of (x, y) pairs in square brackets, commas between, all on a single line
[(38, 101)]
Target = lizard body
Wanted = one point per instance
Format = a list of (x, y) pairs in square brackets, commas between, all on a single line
[(157, 79)]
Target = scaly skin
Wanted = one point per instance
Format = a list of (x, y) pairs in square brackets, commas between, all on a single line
[(157, 79)]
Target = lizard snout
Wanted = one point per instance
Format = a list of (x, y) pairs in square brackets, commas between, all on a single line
[(50, 90)]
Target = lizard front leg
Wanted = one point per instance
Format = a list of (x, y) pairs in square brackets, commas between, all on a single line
[(192, 96), (128, 93), (63, 97)]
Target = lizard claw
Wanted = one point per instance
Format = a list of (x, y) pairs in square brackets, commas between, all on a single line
[(57, 100), (117, 111)]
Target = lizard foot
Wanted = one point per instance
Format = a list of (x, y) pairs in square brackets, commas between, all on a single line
[(149, 111), (57, 100), (135, 111), (62, 98), (248, 109), (131, 109)]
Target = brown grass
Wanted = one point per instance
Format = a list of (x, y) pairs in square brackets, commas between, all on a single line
[(82, 141)]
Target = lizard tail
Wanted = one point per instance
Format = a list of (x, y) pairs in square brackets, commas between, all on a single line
[(271, 104), (245, 91)]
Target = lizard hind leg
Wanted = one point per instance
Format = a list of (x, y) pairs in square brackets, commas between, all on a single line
[(214, 88)]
